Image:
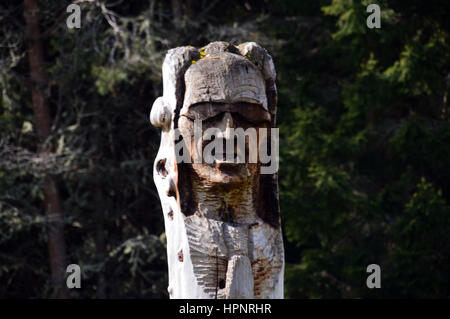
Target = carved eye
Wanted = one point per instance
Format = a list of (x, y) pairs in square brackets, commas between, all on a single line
[(253, 113), (204, 111)]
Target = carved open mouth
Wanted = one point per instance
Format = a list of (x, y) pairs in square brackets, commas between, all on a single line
[(237, 158), (221, 162), (228, 165)]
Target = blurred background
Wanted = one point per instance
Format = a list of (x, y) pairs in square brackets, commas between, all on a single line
[(364, 126)]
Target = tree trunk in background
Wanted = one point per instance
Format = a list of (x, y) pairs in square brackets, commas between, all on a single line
[(100, 245), (56, 245)]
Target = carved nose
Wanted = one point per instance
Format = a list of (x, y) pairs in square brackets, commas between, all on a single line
[(229, 123), (228, 119)]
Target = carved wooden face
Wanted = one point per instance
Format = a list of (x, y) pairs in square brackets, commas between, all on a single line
[(224, 92), (221, 116)]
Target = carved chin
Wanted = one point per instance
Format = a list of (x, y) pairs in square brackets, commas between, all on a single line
[(224, 173)]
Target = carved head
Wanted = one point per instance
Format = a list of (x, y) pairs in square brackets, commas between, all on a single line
[(207, 93)]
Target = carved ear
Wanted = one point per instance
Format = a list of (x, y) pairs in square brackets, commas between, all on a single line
[(160, 115)]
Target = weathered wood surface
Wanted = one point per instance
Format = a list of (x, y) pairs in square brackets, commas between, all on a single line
[(222, 221)]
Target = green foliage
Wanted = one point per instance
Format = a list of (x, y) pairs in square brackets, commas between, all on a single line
[(354, 153), (107, 79), (421, 245)]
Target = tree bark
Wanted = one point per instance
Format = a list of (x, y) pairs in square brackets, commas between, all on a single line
[(56, 245)]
